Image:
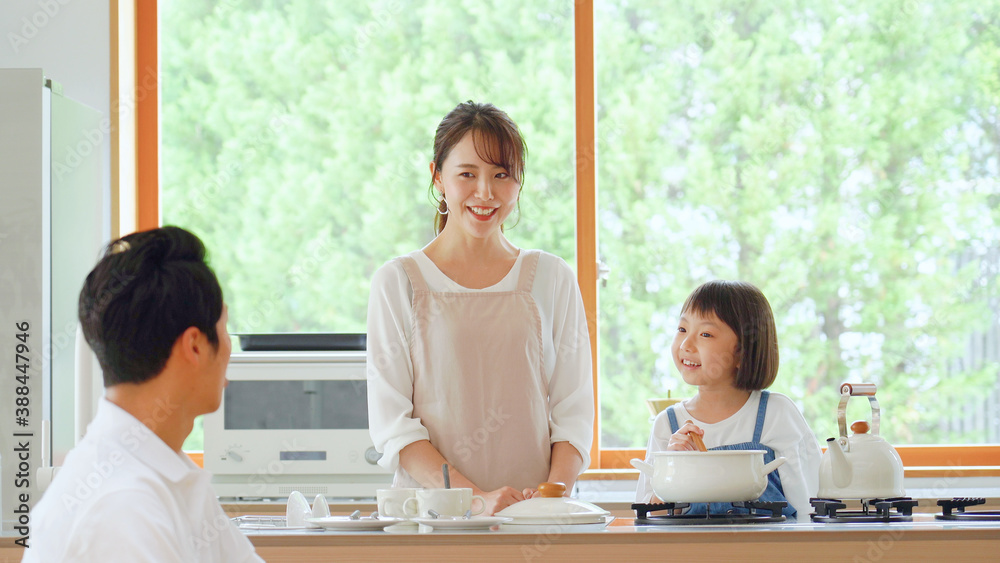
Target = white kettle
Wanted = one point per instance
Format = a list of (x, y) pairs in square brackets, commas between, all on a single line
[(864, 465)]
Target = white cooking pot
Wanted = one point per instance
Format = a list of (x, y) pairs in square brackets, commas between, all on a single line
[(713, 476)]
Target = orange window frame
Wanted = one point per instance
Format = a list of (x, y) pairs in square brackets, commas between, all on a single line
[(933, 460)]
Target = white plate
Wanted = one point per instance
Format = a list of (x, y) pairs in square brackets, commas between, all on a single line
[(346, 523), (560, 519), (474, 523), (576, 521)]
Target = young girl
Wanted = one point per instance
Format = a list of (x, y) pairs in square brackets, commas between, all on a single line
[(727, 346)]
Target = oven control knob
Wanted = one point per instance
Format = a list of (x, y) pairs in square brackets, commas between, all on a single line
[(233, 455), (372, 455)]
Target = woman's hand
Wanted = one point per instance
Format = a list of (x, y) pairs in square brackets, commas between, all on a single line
[(500, 499), (680, 441)]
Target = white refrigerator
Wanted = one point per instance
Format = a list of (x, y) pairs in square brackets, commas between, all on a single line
[(50, 238)]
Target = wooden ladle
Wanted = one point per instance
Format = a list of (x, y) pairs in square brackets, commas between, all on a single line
[(696, 438)]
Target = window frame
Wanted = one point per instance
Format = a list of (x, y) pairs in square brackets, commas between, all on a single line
[(608, 463)]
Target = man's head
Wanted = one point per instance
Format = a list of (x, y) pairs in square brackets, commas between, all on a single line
[(146, 291)]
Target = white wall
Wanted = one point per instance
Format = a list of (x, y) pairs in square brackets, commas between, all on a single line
[(70, 41)]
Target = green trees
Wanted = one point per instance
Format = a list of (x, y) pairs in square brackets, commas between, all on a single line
[(838, 155), (842, 156)]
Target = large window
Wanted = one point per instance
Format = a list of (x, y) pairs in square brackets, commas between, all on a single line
[(296, 138), (843, 156)]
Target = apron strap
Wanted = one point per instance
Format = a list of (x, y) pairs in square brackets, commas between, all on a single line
[(674, 427), (758, 429), (413, 272), (527, 278)]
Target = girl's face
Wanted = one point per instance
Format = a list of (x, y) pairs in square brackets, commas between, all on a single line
[(705, 350), (480, 195)]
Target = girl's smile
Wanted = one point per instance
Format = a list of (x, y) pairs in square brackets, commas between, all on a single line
[(705, 350)]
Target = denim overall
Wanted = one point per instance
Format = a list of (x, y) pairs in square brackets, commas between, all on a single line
[(774, 492)]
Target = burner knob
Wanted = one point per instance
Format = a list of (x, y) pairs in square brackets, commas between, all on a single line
[(859, 427)]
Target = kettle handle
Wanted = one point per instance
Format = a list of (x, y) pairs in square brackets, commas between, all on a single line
[(848, 390)]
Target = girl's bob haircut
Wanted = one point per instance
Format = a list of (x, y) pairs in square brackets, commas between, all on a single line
[(745, 309)]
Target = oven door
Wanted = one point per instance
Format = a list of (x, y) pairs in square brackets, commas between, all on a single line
[(293, 421)]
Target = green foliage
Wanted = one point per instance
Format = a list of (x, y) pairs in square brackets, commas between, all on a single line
[(841, 155), (297, 138)]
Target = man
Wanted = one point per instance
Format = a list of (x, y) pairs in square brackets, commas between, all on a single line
[(153, 313)]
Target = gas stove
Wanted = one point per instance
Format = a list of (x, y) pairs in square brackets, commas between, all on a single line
[(758, 513), (834, 511), (954, 509)]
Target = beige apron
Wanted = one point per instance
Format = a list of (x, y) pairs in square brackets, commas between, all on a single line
[(478, 380)]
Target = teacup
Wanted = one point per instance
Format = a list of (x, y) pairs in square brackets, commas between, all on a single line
[(445, 502), (390, 501)]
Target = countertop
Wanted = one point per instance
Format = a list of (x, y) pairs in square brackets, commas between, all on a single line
[(923, 539)]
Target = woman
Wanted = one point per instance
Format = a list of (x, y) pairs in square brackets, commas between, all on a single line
[(478, 351)]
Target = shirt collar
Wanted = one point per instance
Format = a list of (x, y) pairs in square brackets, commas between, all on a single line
[(135, 438)]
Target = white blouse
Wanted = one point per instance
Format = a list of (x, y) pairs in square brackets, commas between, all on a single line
[(566, 350)]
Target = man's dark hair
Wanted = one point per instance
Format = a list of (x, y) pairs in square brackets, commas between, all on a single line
[(146, 290)]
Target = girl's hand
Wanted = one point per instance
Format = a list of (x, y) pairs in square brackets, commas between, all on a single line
[(680, 441), (500, 499)]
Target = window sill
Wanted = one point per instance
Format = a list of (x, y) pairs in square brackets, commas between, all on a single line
[(908, 472)]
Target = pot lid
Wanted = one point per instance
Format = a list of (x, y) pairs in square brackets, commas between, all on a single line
[(553, 508)]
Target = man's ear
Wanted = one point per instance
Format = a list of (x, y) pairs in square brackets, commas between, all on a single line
[(189, 345)]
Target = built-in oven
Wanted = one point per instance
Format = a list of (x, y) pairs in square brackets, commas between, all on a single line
[(293, 421)]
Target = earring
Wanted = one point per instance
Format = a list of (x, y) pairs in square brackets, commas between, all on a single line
[(445, 212)]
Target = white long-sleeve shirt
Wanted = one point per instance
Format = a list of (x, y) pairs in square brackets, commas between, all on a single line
[(566, 353), (785, 431)]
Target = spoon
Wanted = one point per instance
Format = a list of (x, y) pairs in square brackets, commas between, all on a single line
[(433, 513), (447, 478), (356, 515), (696, 438)]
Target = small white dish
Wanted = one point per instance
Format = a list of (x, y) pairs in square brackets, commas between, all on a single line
[(346, 523), (458, 523)]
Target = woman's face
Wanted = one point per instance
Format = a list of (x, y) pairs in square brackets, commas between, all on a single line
[(480, 195)]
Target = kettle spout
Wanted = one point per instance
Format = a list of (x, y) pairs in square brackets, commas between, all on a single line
[(841, 468), (643, 467)]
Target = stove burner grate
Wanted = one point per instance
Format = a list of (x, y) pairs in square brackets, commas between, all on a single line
[(958, 505), (759, 513), (898, 509)]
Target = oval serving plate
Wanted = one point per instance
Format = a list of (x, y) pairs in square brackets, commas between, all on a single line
[(474, 523), (345, 523)]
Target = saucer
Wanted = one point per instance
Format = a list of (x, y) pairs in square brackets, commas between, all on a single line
[(346, 523), (459, 523)]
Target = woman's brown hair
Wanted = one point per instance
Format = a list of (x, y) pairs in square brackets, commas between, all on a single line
[(745, 309), (495, 135)]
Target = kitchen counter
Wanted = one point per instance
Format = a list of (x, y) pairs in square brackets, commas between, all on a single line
[(923, 539)]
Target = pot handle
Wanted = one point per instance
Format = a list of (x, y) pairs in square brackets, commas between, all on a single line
[(645, 468), (773, 465)]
